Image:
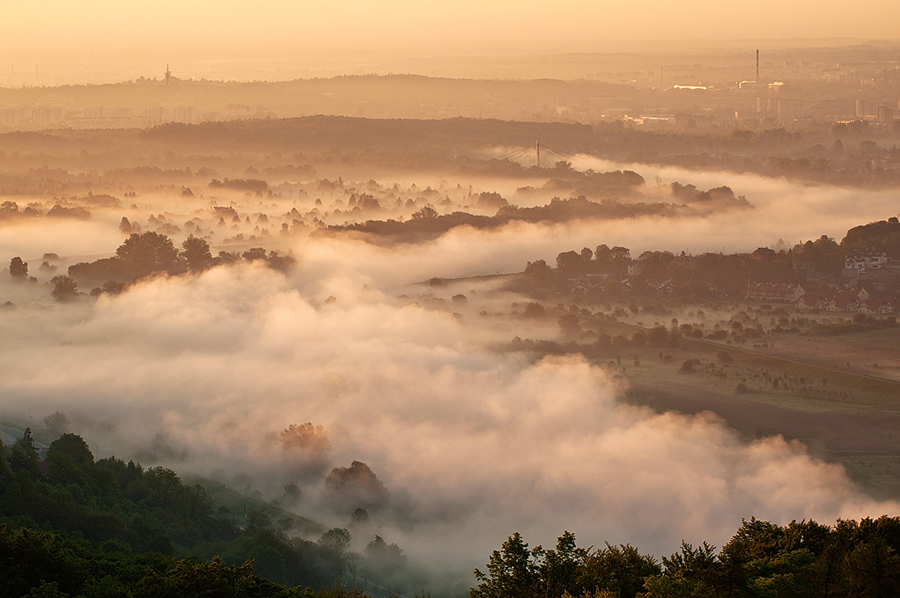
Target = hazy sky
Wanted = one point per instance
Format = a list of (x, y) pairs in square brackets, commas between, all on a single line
[(435, 24), (58, 42)]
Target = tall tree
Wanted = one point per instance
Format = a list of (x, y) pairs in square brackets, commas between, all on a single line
[(196, 253), (64, 288), (145, 253), (511, 572), (18, 269)]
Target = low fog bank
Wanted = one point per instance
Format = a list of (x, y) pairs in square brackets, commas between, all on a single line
[(782, 210), (787, 210), (206, 371), (464, 251), (31, 239)]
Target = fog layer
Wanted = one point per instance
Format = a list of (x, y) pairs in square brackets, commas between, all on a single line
[(471, 445)]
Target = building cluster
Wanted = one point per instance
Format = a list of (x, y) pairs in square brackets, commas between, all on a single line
[(840, 299), (871, 265), (875, 110), (867, 275), (846, 299), (869, 284)]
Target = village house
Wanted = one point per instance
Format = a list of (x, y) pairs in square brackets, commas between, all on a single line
[(844, 299), (877, 305), (588, 282), (848, 299), (774, 291), (870, 266), (813, 300), (763, 254), (866, 259)]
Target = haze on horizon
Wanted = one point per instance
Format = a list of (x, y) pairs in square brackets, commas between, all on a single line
[(100, 41), (384, 263)]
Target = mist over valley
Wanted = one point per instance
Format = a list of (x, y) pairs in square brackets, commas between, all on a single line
[(368, 329)]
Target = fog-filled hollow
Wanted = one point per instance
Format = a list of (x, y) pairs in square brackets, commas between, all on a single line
[(471, 444), (789, 210), (202, 371), (782, 210)]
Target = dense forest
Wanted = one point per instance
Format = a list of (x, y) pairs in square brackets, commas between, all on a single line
[(427, 223), (762, 559), (73, 160), (146, 254), (73, 526), (107, 506), (813, 264)]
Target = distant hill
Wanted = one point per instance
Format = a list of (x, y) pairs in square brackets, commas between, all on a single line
[(400, 135), (374, 96)]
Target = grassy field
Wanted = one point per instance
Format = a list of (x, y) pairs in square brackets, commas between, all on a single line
[(874, 352), (839, 394), (798, 386)]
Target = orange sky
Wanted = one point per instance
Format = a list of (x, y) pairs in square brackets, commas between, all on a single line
[(437, 24), (57, 42)]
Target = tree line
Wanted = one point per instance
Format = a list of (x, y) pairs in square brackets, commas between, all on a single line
[(801, 559), (73, 525), (710, 275), (147, 254)]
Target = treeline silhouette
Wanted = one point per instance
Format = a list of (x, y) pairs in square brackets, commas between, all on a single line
[(71, 525), (63, 161), (110, 528), (707, 275), (808, 559), (428, 223), (151, 253), (344, 132)]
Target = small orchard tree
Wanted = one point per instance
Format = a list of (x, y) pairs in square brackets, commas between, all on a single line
[(149, 252), (534, 310), (196, 253), (18, 269), (688, 366), (64, 288)]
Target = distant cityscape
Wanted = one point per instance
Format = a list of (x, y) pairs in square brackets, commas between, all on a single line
[(686, 96)]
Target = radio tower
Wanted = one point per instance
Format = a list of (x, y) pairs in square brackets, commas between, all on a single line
[(168, 73), (757, 66)]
